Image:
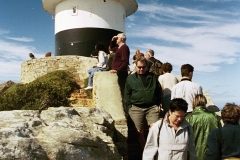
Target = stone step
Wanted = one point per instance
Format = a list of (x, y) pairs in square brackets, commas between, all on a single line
[(82, 102)]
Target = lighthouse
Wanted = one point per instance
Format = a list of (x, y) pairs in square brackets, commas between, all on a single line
[(80, 24)]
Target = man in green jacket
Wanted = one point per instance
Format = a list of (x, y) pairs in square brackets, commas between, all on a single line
[(142, 96), (202, 121)]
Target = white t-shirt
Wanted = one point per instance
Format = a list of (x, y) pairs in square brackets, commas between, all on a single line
[(187, 90), (102, 59), (167, 81)]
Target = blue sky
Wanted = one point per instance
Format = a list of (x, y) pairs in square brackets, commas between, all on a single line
[(204, 33)]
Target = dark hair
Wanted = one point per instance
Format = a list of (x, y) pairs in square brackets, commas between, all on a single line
[(167, 67), (100, 47), (178, 104), (31, 55), (110, 49), (230, 113), (186, 69)]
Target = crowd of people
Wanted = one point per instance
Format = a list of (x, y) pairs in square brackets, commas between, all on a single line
[(181, 127)]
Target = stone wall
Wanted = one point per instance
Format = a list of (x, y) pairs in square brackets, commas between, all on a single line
[(32, 69)]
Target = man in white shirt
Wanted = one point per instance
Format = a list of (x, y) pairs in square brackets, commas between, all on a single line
[(186, 89)]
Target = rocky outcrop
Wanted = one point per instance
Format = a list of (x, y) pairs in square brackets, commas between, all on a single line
[(71, 133), (60, 133), (4, 86)]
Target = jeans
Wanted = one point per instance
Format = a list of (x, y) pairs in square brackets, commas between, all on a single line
[(91, 74)]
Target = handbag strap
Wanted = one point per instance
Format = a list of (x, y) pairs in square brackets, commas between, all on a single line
[(160, 127)]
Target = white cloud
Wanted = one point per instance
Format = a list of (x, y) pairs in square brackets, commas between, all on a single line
[(14, 50), (174, 12), (206, 39), (11, 70), (22, 39), (11, 57)]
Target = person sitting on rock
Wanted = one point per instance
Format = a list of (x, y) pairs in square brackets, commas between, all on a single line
[(101, 65)]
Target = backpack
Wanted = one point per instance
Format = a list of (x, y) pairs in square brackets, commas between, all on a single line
[(156, 67)]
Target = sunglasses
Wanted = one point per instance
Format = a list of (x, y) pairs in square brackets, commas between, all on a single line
[(141, 67)]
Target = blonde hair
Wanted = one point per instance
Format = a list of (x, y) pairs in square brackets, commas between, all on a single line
[(137, 51), (199, 100), (139, 55)]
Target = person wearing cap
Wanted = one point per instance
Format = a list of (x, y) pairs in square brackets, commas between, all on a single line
[(121, 59)]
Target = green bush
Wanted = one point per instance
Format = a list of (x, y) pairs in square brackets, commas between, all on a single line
[(50, 90)]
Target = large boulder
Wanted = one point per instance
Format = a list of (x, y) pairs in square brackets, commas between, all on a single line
[(58, 133)]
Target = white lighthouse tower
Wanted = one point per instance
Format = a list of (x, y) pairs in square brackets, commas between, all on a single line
[(80, 24)]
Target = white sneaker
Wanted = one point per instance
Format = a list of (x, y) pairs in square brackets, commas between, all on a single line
[(88, 88)]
